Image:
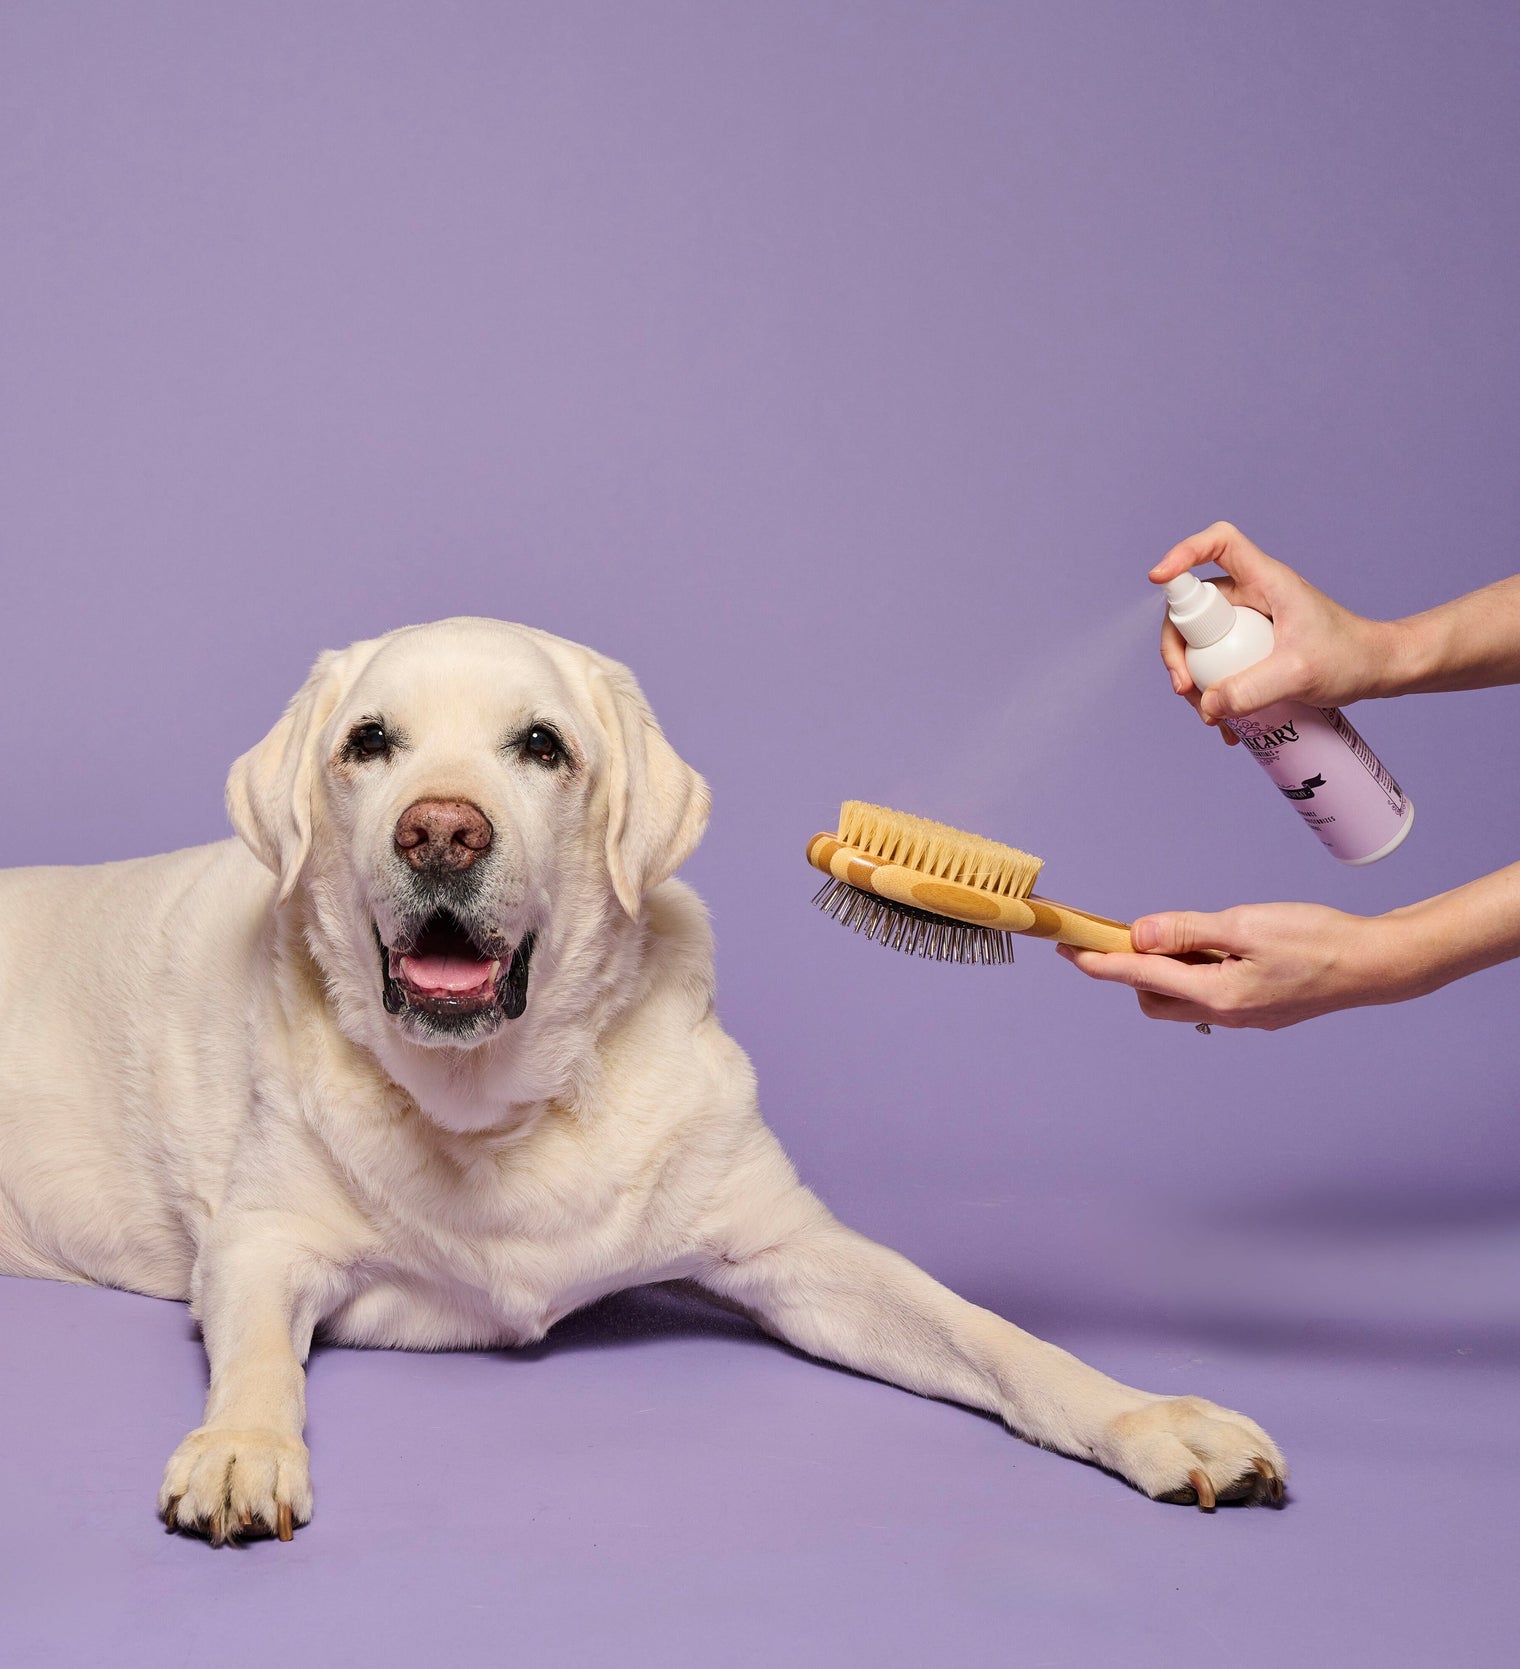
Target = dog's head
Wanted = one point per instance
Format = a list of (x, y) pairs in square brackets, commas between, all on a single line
[(470, 809)]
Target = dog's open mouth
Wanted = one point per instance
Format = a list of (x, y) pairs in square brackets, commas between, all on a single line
[(442, 971)]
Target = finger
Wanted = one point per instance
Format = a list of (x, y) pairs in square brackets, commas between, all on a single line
[(1222, 543), (1154, 1006), (1177, 932), (1189, 981), (1174, 657), (1186, 553)]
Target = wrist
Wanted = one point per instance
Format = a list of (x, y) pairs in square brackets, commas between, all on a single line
[(1417, 949), (1404, 654)]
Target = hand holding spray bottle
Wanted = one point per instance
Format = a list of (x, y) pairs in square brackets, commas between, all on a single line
[(1313, 754)]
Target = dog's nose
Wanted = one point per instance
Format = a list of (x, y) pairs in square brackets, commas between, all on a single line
[(442, 835)]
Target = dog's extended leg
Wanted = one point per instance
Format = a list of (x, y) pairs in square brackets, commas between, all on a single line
[(259, 1293), (837, 1295)]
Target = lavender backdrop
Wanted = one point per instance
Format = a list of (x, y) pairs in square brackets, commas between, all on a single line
[(842, 368)]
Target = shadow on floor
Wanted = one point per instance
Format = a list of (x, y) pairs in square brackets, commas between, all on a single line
[(1323, 1273)]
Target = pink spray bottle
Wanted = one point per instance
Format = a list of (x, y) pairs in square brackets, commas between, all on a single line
[(1313, 755)]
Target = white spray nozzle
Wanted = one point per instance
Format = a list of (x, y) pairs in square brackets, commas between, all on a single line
[(1200, 611)]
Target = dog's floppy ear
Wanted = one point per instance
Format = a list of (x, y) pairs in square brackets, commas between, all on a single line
[(269, 790), (656, 804)]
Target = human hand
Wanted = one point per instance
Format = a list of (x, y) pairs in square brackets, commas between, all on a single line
[(1284, 963), (1323, 654)]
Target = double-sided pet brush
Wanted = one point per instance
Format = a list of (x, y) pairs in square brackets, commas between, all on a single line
[(935, 891), (931, 890)]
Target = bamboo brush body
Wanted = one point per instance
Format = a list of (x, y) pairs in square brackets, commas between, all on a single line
[(936, 891)]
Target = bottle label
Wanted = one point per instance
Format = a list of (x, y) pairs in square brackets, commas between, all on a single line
[(1337, 784), (1347, 732)]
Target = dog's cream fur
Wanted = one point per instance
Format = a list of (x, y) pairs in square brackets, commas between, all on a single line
[(202, 1096)]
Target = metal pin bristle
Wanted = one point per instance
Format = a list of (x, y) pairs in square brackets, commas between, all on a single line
[(918, 932)]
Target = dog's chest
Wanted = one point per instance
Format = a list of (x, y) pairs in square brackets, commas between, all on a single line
[(493, 1243)]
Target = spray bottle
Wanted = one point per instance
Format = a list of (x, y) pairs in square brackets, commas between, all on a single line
[(1336, 783)]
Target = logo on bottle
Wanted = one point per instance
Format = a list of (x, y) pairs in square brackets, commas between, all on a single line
[(1305, 789), (1259, 740)]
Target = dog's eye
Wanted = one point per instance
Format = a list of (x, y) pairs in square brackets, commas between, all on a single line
[(542, 744), (367, 741)]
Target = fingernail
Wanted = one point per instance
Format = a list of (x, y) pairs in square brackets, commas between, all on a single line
[(1145, 935), (1176, 682)]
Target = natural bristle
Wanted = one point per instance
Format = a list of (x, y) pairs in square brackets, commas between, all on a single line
[(937, 850)]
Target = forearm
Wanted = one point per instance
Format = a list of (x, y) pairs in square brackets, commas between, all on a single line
[(1459, 932), (1470, 643)]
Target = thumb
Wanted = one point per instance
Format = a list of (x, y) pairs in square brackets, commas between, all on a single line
[(1178, 932), (1272, 680)]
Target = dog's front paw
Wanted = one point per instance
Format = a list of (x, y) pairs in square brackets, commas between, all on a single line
[(1187, 1450), (225, 1483)]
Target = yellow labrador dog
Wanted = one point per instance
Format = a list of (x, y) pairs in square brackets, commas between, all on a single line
[(428, 1058)]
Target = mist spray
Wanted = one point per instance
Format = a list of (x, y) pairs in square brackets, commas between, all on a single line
[(1314, 756)]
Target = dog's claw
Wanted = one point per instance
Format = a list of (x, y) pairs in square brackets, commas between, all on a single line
[(171, 1514), (1203, 1489), (283, 1528), (1274, 1484)]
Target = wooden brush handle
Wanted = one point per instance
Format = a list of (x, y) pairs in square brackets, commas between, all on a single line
[(1040, 918), (1070, 926)]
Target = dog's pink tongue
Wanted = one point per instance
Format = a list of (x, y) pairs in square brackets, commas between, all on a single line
[(452, 974)]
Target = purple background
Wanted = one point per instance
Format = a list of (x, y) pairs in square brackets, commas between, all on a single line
[(841, 368)]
